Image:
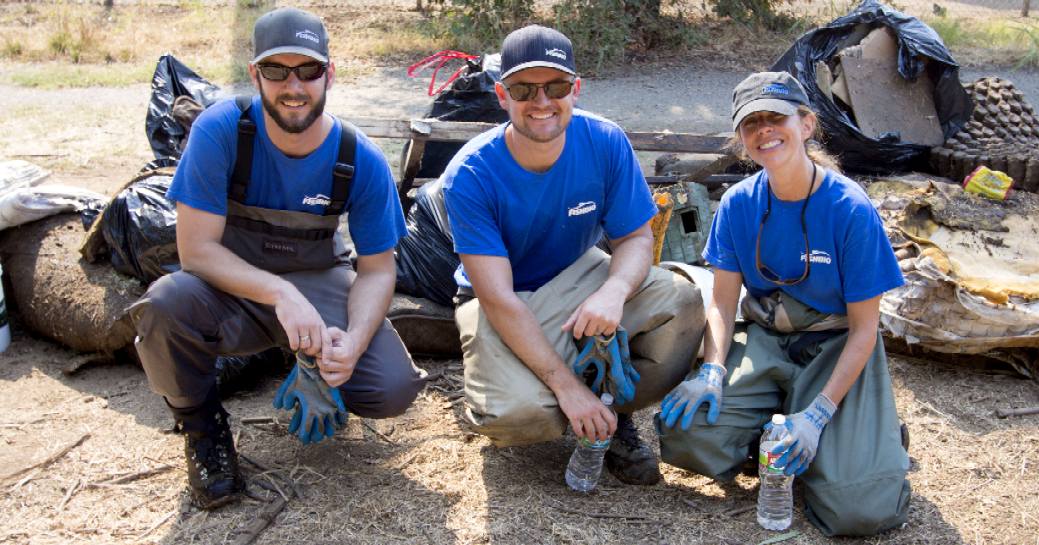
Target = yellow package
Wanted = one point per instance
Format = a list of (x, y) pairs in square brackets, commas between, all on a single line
[(988, 183)]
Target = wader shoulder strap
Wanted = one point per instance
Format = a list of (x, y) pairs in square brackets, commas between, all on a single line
[(243, 165), (343, 172)]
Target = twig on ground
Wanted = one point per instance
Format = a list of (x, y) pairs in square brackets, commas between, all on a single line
[(273, 484), (381, 435), (133, 476), (1024, 411), (263, 519), (259, 420), (158, 523), (48, 460), (565, 509), (27, 478), (68, 495), (253, 463)]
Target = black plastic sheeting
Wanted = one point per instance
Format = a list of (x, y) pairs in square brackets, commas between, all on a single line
[(140, 228), (426, 258), (171, 80), (916, 42), (470, 98)]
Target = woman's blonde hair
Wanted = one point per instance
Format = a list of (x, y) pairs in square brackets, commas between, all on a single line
[(813, 148)]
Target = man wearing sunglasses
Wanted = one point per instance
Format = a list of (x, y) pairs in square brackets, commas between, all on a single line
[(259, 191), (527, 202)]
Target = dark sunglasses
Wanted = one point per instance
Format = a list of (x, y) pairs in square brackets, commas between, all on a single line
[(767, 273), (305, 72), (523, 92)]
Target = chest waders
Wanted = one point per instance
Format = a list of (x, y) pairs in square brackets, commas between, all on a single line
[(281, 241)]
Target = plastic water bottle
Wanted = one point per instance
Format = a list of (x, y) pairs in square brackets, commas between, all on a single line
[(775, 494), (585, 467)]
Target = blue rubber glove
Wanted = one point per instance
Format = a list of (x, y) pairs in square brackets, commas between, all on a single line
[(686, 398), (799, 445), (319, 407), (611, 358)]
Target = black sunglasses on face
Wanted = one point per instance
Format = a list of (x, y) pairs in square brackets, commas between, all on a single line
[(523, 92), (767, 273), (305, 72)]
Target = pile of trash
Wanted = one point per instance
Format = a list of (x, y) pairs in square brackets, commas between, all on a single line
[(1003, 135), (971, 266)]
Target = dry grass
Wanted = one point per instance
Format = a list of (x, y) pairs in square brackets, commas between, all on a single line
[(422, 478)]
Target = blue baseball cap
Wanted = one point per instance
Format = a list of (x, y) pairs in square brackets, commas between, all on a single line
[(290, 30), (533, 46)]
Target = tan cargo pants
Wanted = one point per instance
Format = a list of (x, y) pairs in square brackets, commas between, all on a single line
[(509, 404)]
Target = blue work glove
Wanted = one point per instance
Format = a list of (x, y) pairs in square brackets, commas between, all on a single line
[(611, 358), (685, 399), (799, 445), (319, 407)]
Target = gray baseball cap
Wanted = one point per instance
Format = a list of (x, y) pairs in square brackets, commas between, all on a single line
[(290, 30), (767, 92)]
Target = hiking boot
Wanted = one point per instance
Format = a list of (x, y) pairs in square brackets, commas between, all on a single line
[(212, 461), (629, 459)]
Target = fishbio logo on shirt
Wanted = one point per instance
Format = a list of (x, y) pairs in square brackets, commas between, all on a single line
[(581, 208), (819, 256)]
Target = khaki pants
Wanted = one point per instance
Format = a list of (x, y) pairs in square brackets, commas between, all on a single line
[(507, 402)]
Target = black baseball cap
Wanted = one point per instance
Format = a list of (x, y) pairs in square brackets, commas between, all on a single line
[(767, 92), (290, 30), (533, 46)]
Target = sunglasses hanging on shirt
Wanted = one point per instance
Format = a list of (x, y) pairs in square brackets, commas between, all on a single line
[(767, 273)]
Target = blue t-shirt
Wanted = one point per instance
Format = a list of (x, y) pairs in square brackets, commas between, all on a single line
[(282, 182), (851, 257), (543, 222)]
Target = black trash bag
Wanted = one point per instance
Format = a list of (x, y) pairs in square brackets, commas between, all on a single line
[(140, 228), (470, 98), (426, 258), (916, 42), (171, 80)]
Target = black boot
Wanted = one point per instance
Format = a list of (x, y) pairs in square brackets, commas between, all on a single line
[(213, 472), (629, 459)]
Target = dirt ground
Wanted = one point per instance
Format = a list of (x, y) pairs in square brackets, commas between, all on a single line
[(422, 478)]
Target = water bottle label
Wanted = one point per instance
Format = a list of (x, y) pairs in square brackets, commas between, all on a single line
[(584, 441), (767, 460)]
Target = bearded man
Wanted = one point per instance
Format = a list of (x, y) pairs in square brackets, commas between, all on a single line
[(259, 192)]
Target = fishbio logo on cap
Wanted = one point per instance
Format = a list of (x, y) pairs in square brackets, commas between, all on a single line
[(308, 35), (775, 89), (556, 52)]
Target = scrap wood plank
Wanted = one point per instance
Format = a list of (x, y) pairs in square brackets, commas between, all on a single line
[(463, 131)]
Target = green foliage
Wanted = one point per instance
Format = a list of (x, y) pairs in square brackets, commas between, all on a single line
[(756, 12), (481, 24), (74, 41), (599, 30), (12, 49)]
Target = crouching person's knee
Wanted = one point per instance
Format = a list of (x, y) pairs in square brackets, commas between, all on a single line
[(519, 424), (859, 509)]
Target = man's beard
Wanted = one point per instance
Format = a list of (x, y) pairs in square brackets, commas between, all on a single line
[(288, 125)]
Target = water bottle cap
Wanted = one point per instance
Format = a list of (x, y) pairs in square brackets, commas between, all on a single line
[(778, 420), (607, 398)]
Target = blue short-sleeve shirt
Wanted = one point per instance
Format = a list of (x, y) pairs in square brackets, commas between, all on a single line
[(543, 222), (282, 182), (851, 257)]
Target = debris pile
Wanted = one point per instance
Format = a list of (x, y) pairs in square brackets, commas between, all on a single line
[(971, 267), (1002, 134)]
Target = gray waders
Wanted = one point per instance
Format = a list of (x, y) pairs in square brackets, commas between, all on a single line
[(857, 484), (183, 323)]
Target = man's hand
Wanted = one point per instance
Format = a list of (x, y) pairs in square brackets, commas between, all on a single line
[(318, 409), (686, 398), (339, 355), (588, 416), (801, 442), (302, 324), (600, 314)]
